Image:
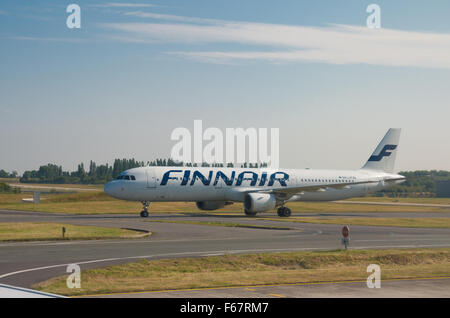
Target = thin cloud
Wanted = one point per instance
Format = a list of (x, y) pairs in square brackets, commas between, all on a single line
[(124, 5), (175, 18), (48, 39), (334, 44)]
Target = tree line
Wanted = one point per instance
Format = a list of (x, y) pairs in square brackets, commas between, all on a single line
[(95, 174), (100, 174), (419, 181), (4, 174)]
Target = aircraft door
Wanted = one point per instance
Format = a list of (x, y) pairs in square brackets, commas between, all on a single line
[(151, 178)]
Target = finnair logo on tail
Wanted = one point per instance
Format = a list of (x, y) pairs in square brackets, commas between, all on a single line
[(383, 153)]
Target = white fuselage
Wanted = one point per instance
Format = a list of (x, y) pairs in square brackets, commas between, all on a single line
[(230, 184)]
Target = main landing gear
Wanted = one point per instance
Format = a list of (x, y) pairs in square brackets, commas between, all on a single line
[(284, 211), (144, 212)]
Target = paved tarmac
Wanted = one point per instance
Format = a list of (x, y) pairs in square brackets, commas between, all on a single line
[(25, 263), (429, 288)]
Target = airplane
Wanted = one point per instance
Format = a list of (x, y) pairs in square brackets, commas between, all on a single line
[(260, 189)]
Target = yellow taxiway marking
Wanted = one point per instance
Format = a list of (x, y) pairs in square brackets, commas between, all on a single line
[(277, 295), (257, 286)]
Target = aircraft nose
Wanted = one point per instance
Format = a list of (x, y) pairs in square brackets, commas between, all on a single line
[(109, 189)]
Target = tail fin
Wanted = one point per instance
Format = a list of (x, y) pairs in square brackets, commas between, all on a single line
[(383, 158)]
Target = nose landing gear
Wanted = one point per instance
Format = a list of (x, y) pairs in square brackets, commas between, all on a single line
[(144, 212), (284, 211)]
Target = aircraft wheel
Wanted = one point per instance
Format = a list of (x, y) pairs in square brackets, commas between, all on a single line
[(280, 211), (287, 212), (284, 212), (144, 214), (248, 213)]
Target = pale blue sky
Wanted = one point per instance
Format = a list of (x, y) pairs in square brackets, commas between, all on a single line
[(118, 86)]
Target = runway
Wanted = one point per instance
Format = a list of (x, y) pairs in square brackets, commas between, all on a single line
[(429, 288), (25, 263)]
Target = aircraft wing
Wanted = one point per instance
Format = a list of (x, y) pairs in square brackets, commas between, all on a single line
[(307, 188), (284, 193)]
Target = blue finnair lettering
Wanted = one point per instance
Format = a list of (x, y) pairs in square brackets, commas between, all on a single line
[(166, 177), (185, 177), (263, 179), (383, 153), (241, 178), (228, 181), (252, 176), (201, 177), (282, 180)]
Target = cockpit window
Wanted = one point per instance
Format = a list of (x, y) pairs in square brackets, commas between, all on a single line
[(126, 177)]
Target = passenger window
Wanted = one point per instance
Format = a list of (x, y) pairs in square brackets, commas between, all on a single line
[(133, 178), (127, 177)]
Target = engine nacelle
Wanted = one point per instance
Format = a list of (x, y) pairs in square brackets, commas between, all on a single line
[(210, 205), (259, 202)]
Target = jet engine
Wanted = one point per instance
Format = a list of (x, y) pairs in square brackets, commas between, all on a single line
[(210, 205), (259, 202)]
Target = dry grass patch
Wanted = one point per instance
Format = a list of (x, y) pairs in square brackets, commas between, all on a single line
[(37, 231), (255, 269)]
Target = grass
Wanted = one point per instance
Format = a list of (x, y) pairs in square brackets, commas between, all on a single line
[(255, 269), (96, 202), (372, 221), (403, 200), (16, 181), (39, 231), (9, 180), (225, 224)]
